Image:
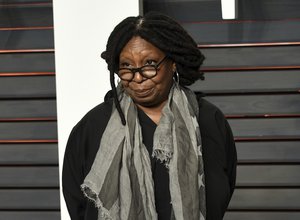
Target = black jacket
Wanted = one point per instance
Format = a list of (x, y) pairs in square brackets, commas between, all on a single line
[(219, 155)]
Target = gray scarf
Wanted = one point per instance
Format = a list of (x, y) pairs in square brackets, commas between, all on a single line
[(120, 181)]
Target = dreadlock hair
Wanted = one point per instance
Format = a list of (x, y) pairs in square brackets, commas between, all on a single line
[(164, 33)]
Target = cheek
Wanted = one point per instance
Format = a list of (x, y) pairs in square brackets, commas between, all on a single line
[(125, 85), (167, 86), (128, 87), (164, 83)]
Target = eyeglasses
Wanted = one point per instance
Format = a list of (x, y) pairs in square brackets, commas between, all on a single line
[(147, 71)]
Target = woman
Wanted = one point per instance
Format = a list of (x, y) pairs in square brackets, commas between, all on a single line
[(153, 149)]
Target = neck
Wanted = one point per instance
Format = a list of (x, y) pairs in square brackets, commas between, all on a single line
[(153, 112)]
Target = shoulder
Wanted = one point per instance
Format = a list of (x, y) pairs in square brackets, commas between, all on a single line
[(96, 118), (97, 114), (207, 107), (84, 139), (211, 118), (215, 131)]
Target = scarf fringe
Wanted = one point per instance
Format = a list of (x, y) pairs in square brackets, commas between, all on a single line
[(103, 212), (163, 156)]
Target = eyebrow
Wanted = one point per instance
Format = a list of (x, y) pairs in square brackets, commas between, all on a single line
[(147, 57)]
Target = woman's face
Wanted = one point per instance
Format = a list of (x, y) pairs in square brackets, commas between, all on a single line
[(146, 92)]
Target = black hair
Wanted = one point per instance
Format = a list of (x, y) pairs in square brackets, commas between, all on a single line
[(164, 33)]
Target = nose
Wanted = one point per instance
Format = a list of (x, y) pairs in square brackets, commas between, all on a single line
[(138, 77)]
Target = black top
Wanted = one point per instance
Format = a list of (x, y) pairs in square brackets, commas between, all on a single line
[(159, 171), (219, 156)]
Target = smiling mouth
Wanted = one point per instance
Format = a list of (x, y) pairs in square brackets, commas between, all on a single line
[(143, 93)]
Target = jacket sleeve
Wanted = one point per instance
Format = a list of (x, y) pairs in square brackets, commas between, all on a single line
[(230, 149), (231, 155), (223, 135), (81, 149), (72, 176)]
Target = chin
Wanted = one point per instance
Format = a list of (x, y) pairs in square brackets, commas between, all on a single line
[(144, 103), (149, 103)]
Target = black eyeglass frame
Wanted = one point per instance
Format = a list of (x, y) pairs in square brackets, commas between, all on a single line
[(140, 70)]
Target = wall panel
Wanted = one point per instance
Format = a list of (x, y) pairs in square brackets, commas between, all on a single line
[(243, 82), (28, 130), (29, 184), (27, 62), (30, 215), (251, 105), (27, 87), (30, 39), (26, 16), (25, 177), (263, 215), (272, 152), (237, 32), (33, 154), (265, 199), (29, 199), (28, 108)]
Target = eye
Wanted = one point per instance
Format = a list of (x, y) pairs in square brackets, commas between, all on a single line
[(125, 65), (151, 62)]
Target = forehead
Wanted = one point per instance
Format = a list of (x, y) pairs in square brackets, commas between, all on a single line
[(139, 46)]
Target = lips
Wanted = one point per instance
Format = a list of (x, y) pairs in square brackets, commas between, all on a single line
[(142, 92)]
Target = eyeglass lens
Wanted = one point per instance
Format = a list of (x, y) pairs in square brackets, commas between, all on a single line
[(148, 71)]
